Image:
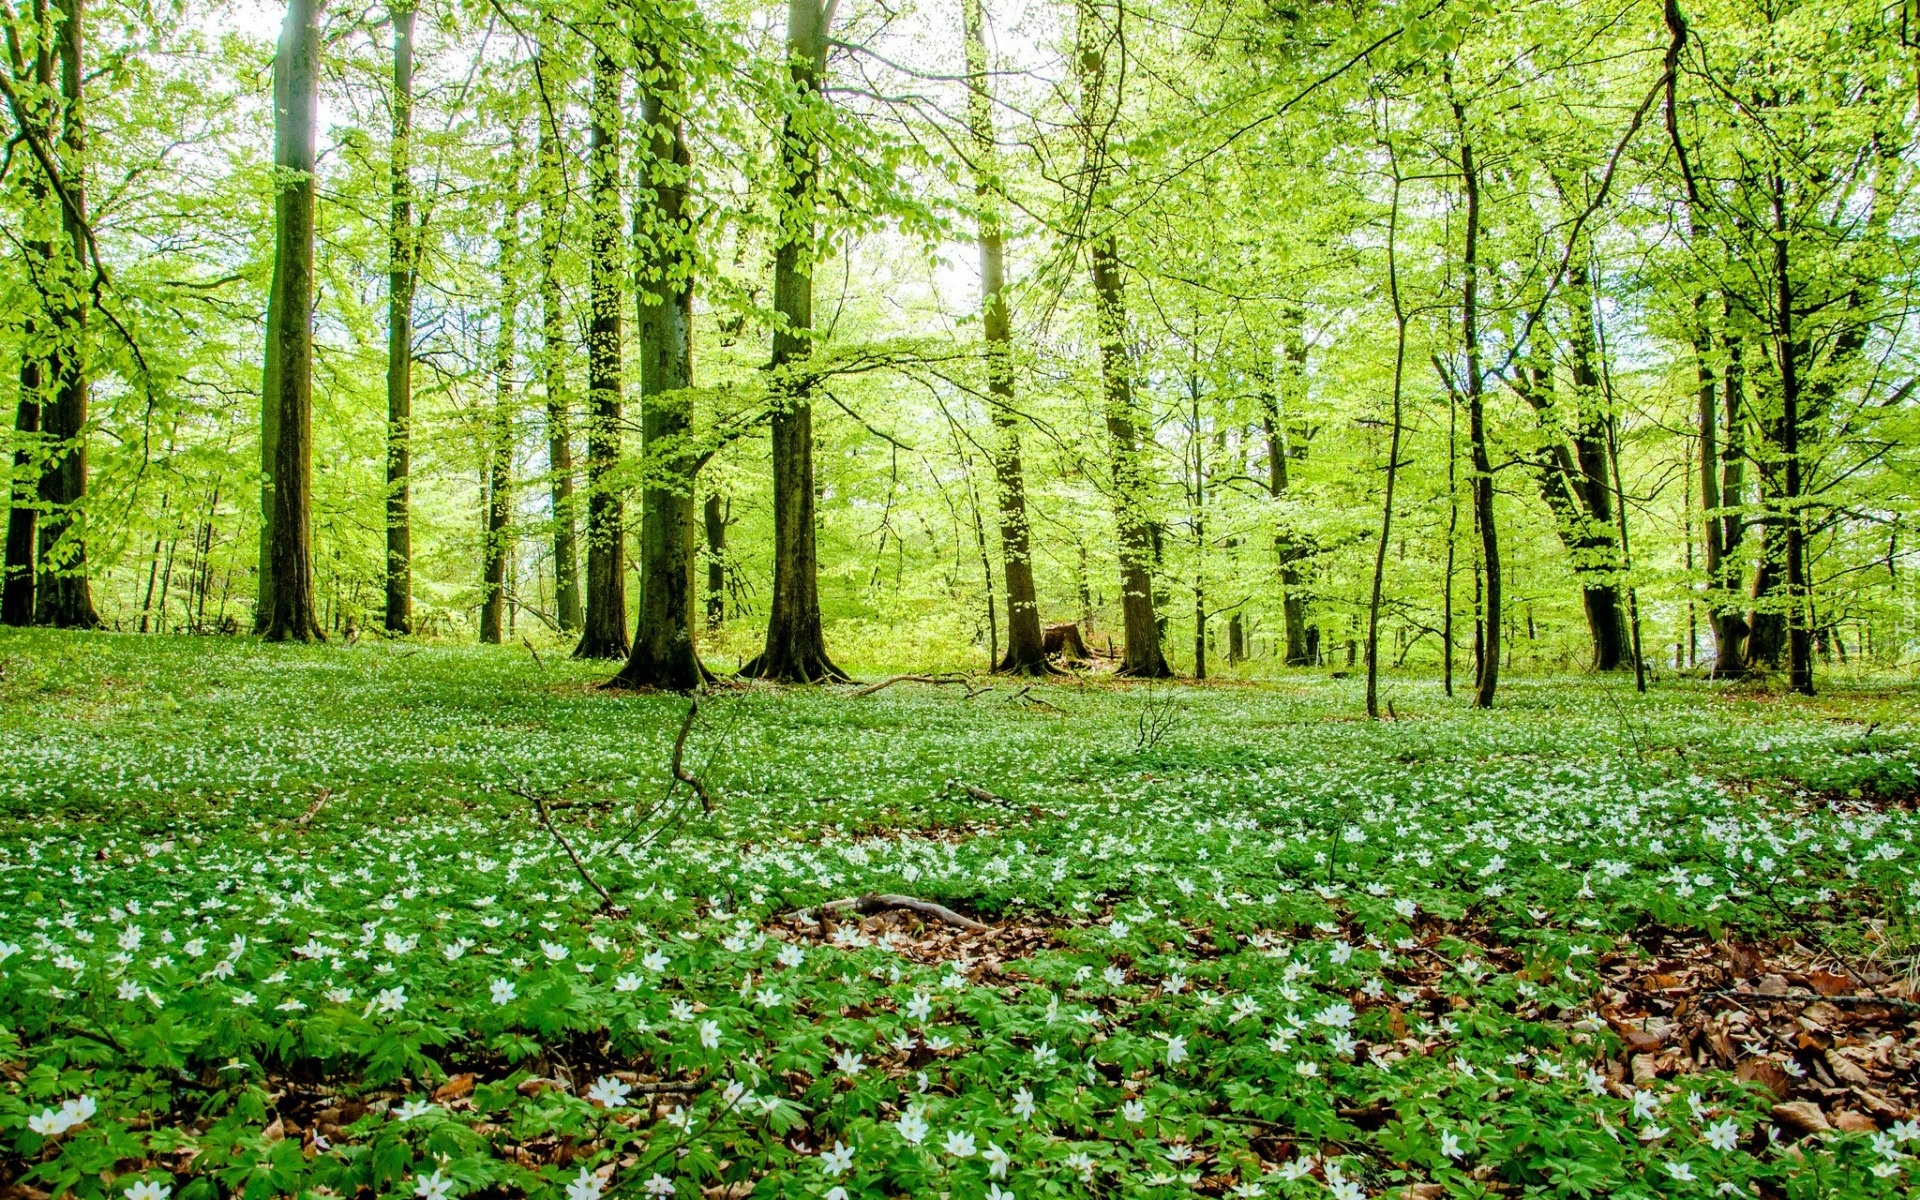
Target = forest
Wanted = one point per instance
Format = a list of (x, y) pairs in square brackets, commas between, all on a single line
[(971, 599)]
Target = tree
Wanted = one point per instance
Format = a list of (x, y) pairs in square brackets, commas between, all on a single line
[(64, 597), (290, 611), (402, 262), (1143, 657), (604, 634), (551, 187), (1026, 655), (1487, 678), (23, 514), (796, 648), (664, 651), (497, 543)]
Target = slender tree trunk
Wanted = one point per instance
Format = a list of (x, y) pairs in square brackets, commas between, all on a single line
[(1288, 388), (605, 632), (292, 615), (1596, 551), (1025, 653), (1489, 642), (1393, 451), (401, 264), (500, 442), (664, 652), (1799, 593), (1142, 657), (1453, 531), (64, 597), (796, 650), (552, 188)]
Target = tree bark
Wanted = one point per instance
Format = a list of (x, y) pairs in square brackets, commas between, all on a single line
[(64, 597), (716, 522), (796, 649), (17, 592), (664, 652), (1143, 656), (401, 264), (500, 441), (1487, 644), (1799, 593), (1289, 551), (1026, 653), (1596, 547), (605, 632), (552, 188), (291, 617)]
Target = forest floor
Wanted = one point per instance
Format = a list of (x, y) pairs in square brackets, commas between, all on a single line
[(329, 922)]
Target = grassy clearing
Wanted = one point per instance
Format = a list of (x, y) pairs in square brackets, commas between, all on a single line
[(284, 920)]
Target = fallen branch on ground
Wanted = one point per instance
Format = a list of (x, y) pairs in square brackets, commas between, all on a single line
[(536, 655), (1843, 1001), (540, 810), (936, 680), (313, 810), (884, 901)]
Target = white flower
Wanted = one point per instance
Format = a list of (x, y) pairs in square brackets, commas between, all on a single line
[(390, 1000), (1307, 1068), (848, 1062), (49, 1123), (1450, 1144), (1680, 1171), (432, 1187), (245, 999), (146, 1190), (959, 1144), (659, 1185), (553, 950), (1133, 1112), (997, 1160), (585, 1186), (129, 990), (1044, 1054), (609, 1092), (1645, 1105), (1176, 1050), (920, 1007), (1023, 1104), (996, 1192), (656, 962), (503, 991), (1723, 1136), (410, 1109), (627, 983), (913, 1127), (710, 1034), (836, 1161), (290, 1004)]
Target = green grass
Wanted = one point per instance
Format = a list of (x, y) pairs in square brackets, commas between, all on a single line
[(1273, 947)]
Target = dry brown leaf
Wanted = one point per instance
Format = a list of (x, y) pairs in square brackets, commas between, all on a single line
[(1766, 1073), (459, 1086), (1830, 983), (1845, 1071), (1849, 1121), (1803, 1115)]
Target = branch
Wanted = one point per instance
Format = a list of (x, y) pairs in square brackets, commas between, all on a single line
[(885, 901), (679, 748)]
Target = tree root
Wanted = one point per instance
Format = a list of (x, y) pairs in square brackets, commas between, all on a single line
[(885, 901)]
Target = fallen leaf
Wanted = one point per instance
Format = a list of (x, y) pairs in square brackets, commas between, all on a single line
[(1803, 1115), (454, 1088), (1846, 1071), (1829, 983), (1766, 1073), (1849, 1121)]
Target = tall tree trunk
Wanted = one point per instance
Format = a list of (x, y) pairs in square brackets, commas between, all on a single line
[(552, 188), (1288, 388), (402, 261), (500, 441), (291, 617), (1393, 449), (1026, 654), (1791, 514), (1597, 551), (23, 515), (64, 597), (1143, 656), (1488, 643), (664, 652), (605, 632), (796, 648)]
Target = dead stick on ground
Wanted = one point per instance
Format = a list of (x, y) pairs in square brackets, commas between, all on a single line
[(936, 680), (313, 810), (1760, 998), (883, 901), (535, 653), (679, 748), (540, 810)]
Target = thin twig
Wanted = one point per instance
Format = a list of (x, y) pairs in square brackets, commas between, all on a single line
[(535, 653), (936, 680), (540, 810), (1844, 1001), (679, 748), (313, 810)]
